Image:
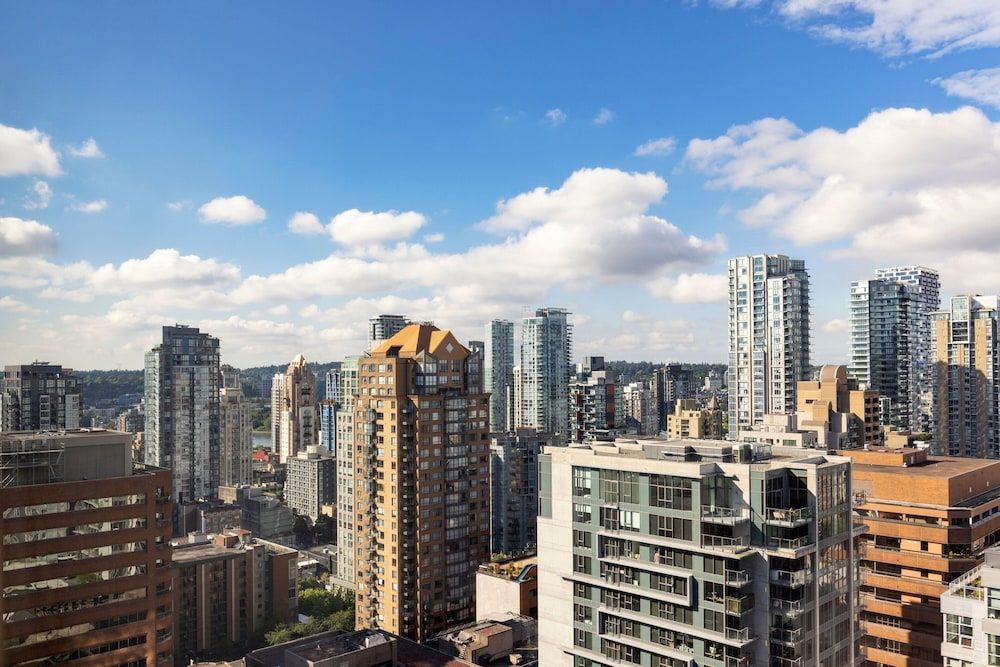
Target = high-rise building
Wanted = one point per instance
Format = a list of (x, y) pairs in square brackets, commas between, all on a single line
[(295, 409), (85, 552), (691, 421), (969, 612), (422, 486), (344, 426), (966, 376), (768, 337), (277, 402), (591, 402), (670, 383), (311, 482), (891, 341), (39, 397), (332, 384), (514, 489), (844, 415), (182, 411), (640, 415), (226, 588), (546, 366), (132, 421), (695, 552), (384, 327), (499, 373), (236, 430), (927, 520)]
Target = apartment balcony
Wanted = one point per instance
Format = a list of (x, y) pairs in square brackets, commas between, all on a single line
[(778, 661), (740, 635), (791, 579), (728, 516), (897, 582), (737, 661), (725, 543), (788, 636), (912, 612), (789, 543), (791, 608), (737, 577), (737, 606), (788, 518)]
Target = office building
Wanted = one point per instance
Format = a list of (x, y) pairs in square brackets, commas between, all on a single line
[(183, 431), (684, 552), (690, 421), (344, 425), (970, 616), (39, 397), (236, 430), (768, 337), (384, 327), (592, 402), (545, 369), (514, 489), (966, 375), (225, 588), (422, 483), (311, 482), (926, 519), (86, 551), (295, 410), (498, 358)]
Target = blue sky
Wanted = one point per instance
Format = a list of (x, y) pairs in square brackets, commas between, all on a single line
[(461, 153)]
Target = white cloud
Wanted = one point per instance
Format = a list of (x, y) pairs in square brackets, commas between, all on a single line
[(895, 27), (978, 85), (12, 304), (39, 196), (604, 116), (25, 238), (360, 228), (95, 206), (305, 223), (88, 149), (555, 117), (661, 146), (836, 326), (437, 237), (904, 185), (25, 152), (177, 206), (690, 288), (234, 211)]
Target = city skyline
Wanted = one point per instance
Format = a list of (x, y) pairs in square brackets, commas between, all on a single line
[(352, 176)]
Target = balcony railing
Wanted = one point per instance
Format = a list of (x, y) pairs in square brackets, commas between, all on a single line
[(737, 577), (739, 605), (738, 634), (789, 542), (790, 607), (724, 542), (789, 516), (786, 635), (727, 515), (793, 579)]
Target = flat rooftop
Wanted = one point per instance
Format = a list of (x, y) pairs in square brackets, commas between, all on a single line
[(687, 450)]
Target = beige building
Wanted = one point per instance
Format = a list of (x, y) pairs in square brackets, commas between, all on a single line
[(422, 495), (509, 586), (694, 422), (294, 410)]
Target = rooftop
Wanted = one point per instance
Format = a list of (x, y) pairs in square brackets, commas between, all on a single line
[(333, 644), (416, 338)]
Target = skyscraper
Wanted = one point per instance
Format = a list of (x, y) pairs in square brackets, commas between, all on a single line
[(514, 490), (236, 430), (182, 411), (499, 373), (344, 426), (546, 366), (384, 327), (891, 341), (592, 402), (39, 397), (332, 385), (967, 372), (768, 336), (422, 495), (295, 409)]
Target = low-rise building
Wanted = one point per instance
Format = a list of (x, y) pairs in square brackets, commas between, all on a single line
[(507, 586), (690, 420), (364, 648), (508, 639), (224, 588)]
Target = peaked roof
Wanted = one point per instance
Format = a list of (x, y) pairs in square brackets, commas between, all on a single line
[(416, 338)]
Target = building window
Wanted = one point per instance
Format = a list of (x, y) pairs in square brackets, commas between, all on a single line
[(582, 638), (583, 482), (670, 491), (958, 629), (993, 649), (582, 539), (583, 614)]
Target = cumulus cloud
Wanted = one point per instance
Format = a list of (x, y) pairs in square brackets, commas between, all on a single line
[(95, 206), (177, 206), (690, 288), (26, 152), (306, 224), (903, 185), (661, 146), (555, 117), (437, 237), (360, 228), (894, 27), (88, 149), (234, 211), (25, 238), (604, 116), (12, 304), (979, 85), (39, 196)]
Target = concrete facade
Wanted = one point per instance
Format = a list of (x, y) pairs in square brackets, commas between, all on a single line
[(39, 397)]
